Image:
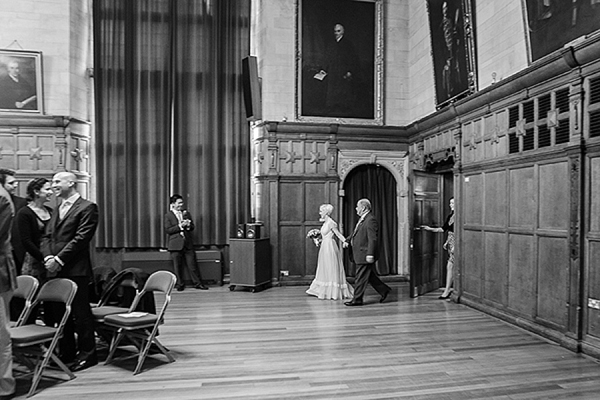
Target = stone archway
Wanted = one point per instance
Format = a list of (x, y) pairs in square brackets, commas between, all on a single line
[(397, 164)]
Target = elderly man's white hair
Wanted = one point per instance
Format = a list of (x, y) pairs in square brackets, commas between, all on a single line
[(365, 203)]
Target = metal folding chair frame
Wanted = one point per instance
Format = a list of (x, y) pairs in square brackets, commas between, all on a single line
[(143, 334), (40, 341), (26, 290)]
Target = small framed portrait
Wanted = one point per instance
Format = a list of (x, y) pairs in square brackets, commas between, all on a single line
[(339, 63), (21, 81), (452, 47)]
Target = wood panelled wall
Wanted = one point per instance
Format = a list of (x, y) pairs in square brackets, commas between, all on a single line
[(527, 171), (297, 168), (40, 145)]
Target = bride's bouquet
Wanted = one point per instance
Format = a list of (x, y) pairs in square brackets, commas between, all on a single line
[(315, 235)]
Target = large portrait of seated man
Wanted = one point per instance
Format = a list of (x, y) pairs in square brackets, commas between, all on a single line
[(20, 86), (338, 44)]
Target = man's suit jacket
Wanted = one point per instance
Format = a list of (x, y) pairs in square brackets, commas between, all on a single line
[(70, 238), (365, 241), (178, 242), (18, 249), (8, 271)]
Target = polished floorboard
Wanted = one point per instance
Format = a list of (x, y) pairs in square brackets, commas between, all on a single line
[(283, 344)]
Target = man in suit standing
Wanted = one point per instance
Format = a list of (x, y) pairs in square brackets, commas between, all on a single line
[(364, 252), (10, 184), (66, 249), (179, 226), (8, 283)]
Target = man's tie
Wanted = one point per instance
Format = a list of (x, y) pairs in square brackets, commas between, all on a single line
[(356, 228), (179, 216), (63, 209)]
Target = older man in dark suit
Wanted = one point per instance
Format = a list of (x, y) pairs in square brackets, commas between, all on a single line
[(364, 251), (66, 249), (179, 226)]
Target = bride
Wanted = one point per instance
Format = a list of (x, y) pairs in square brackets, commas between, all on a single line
[(330, 279)]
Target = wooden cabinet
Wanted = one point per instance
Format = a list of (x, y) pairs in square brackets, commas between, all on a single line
[(250, 261)]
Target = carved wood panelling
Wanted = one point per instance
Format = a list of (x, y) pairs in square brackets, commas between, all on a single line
[(39, 146), (513, 214)]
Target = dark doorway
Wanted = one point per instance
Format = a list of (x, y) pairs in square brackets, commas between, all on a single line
[(377, 184), (430, 196)]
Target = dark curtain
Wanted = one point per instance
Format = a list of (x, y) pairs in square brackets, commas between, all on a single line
[(167, 120), (212, 140), (132, 87), (379, 186)]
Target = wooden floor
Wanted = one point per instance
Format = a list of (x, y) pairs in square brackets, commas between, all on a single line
[(282, 344)]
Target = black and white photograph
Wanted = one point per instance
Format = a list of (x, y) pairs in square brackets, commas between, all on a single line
[(338, 44), (21, 81)]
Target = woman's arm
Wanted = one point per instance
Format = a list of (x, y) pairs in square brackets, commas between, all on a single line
[(337, 233), (431, 229)]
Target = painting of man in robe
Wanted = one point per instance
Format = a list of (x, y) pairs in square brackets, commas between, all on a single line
[(338, 59)]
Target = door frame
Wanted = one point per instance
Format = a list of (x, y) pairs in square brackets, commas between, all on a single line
[(445, 191)]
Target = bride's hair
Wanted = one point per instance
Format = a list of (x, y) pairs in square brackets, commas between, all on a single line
[(328, 208)]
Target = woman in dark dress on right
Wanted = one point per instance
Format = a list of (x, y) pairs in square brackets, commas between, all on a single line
[(31, 222), (448, 245)]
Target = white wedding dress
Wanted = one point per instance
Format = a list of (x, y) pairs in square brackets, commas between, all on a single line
[(330, 278)]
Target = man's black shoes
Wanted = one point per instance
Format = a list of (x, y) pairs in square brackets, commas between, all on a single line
[(353, 303)]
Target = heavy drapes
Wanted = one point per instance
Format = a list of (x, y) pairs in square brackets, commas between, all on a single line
[(170, 117), (379, 186)]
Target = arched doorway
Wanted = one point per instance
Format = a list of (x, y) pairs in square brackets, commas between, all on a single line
[(376, 183)]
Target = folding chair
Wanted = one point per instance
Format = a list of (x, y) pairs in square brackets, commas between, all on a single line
[(103, 308), (141, 327), (34, 345), (26, 290)]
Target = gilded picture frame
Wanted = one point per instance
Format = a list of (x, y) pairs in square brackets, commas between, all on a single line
[(21, 83), (339, 61), (452, 46)]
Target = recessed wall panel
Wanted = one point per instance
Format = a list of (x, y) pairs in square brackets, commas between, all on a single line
[(290, 253), (495, 199), (473, 198), (554, 196), (594, 194), (522, 274), (291, 206), (593, 327), (473, 261), (496, 267), (522, 188), (553, 284)]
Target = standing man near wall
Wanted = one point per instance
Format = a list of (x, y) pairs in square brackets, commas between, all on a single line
[(8, 283), (66, 249), (179, 226), (10, 184)]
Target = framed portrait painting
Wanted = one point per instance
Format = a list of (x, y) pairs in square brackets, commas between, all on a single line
[(452, 47), (21, 81), (553, 23), (339, 64)]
